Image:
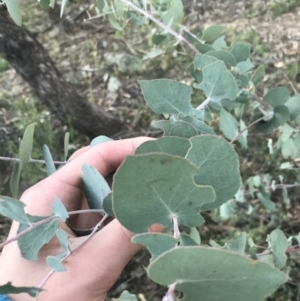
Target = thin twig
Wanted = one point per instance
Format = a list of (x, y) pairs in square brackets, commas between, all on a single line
[(31, 161), (246, 128), (85, 211), (194, 36), (96, 228), (178, 36), (30, 228)]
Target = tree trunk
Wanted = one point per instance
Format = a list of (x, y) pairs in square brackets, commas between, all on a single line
[(28, 57)]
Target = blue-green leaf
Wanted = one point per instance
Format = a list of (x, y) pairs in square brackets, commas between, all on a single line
[(211, 33), (156, 243), (264, 198), (215, 274), (277, 96), (31, 243), (13, 7), (95, 186), (63, 7), (48, 160), (99, 140), (176, 128), (157, 187), (278, 244), (59, 209), (54, 262), (218, 167), (63, 239), (170, 145), (10, 289), (166, 96), (13, 209), (224, 56), (15, 180), (293, 104), (26, 145), (218, 83)]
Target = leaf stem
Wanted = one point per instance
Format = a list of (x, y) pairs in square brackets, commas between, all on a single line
[(246, 128), (85, 211), (31, 161), (176, 228), (203, 104), (170, 295), (193, 36), (178, 36), (30, 228)]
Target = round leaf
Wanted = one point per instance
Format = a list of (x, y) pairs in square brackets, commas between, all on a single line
[(154, 188), (215, 275), (218, 167)]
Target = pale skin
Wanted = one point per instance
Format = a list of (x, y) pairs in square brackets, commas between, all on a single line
[(94, 268)]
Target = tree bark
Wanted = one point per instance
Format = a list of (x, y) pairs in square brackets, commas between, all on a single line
[(28, 57)]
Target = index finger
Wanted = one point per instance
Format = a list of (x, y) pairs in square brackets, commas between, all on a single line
[(66, 183)]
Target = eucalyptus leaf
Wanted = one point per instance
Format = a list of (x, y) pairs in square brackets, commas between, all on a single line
[(229, 125), (166, 96), (212, 33), (293, 104), (241, 51), (258, 75), (63, 238), (224, 56), (156, 188), (214, 274), (264, 198), (194, 234), (13, 7), (95, 186), (15, 180), (245, 66), (238, 245), (203, 48), (219, 43), (218, 83), (54, 262), (8, 288), (48, 160), (45, 4), (126, 296), (108, 206), (176, 128), (199, 125), (156, 243), (218, 167), (170, 145), (278, 244), (13, 209), (280, 116), (26, 145), (186, 240), (100, 140), (59, 209), (31, 243), (200, 61), (277, 96)]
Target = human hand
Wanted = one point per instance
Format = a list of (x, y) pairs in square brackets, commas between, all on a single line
[(94, 268)]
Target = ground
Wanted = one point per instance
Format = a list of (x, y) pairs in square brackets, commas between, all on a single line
[(105, 69)]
